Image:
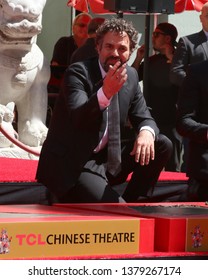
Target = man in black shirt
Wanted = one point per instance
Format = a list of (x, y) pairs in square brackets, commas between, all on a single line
[(161, 93)]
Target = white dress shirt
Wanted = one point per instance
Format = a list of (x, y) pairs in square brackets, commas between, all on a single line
[(104, 102)]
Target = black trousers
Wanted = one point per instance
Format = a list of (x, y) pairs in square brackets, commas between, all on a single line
[(197, 190), (95, 184), (175, 161)]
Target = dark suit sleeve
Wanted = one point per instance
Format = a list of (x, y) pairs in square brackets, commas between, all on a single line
[(179, 63), (139, 114), (80, 95), (192, 116)]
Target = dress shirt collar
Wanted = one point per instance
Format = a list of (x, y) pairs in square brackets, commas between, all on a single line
[(206, 33)]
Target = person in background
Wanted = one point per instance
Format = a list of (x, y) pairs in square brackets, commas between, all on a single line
[(63, 50), (75, 162), (161, 93), (190, 49), (192, 123), (66, 45), (88, 49)]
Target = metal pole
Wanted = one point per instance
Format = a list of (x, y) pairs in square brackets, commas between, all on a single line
[(146, 55)]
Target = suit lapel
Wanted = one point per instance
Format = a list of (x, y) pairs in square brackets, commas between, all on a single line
[(97, 82), (204, 43), (96, 76)]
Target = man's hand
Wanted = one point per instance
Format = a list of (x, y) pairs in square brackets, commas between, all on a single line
[(139, 57), (143, 150), (168, 51), (140, 52), (114, 79)]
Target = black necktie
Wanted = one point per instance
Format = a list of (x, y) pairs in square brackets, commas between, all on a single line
[(114, 145)]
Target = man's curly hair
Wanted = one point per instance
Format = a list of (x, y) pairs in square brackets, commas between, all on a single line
[(118, 25)]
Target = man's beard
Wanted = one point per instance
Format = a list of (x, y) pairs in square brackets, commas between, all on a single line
[(112, 60)]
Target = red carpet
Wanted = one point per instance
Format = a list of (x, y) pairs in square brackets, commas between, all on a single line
[(17, 170), (22, 170), (169, 176)]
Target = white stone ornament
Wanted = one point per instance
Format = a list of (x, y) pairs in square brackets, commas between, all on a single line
[(24, 71), (6, 119)]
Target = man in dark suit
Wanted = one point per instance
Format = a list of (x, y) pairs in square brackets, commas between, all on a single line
[(190, 49), (192, 123), (75, 159)]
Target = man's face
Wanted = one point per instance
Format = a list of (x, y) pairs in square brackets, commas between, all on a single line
[(80, 26), (159, 40), (204, 18), (114, 47)]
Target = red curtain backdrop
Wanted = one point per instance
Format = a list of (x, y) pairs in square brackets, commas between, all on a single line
[(96, 6)]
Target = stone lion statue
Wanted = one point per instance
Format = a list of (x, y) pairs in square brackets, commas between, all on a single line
[(24, 70)]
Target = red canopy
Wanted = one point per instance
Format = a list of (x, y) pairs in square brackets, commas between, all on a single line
[(96, 6), (188, 5)]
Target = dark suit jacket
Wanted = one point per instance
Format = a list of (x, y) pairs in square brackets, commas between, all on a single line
[(86, 51), (190, 49), (192, 119), (63, 50), (78, 124)]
